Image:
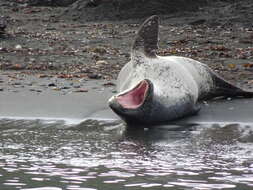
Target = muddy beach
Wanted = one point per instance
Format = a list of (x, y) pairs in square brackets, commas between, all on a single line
[(58, 67), (50, 45)]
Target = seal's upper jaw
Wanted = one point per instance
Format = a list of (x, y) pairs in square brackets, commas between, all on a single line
[(133, 98)]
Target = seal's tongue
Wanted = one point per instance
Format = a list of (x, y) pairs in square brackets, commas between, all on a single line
[(135, 97)]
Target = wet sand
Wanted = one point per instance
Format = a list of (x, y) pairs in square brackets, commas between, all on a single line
[(47, 98), (42, 99), (49, 64)]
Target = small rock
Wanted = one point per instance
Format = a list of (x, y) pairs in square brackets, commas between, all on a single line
[(51, 28), (102, 62), (16, 67), (4, 50), (65, 87), (16, 83), (109, 84), (81, 90), (42, 76), (52, 85), (94, 76), (35, 90), (18, 47), (99, 50), (56, 89)]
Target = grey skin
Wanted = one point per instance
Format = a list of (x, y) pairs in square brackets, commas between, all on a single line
[(176, 84)]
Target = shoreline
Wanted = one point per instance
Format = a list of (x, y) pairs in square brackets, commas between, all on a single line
[(72, 66), (57, 98), (74, 101)]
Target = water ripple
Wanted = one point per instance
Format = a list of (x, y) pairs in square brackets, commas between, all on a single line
[(106, 155)]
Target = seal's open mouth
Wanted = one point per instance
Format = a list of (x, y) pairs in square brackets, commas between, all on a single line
[(135, 97)]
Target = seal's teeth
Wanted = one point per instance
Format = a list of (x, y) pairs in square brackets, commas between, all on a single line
[(112, 99)]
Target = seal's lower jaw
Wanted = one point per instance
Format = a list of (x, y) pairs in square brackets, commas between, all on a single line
[(134, 98)]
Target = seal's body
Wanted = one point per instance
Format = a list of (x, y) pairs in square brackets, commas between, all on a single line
[(156, 89)]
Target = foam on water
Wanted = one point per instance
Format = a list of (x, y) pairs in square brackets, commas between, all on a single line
[(45, 121)]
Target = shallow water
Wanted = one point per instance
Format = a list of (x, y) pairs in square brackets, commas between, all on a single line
[(55, 155)]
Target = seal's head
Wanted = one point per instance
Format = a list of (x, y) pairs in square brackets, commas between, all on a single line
[(134, 104)]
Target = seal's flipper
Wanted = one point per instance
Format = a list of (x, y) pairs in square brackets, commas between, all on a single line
[(227, 89), (147, 38)]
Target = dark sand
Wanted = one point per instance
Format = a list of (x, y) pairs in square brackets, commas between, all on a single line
[(37, 98), (55, 67), (47, 98)]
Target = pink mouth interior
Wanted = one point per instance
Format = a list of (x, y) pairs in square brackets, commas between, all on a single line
[(135, 97)]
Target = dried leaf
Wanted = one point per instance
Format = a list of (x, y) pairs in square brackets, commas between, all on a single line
[(231, 66)]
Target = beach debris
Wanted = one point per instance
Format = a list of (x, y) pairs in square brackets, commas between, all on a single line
[(18, 47), (81, 90), (35, 90), (56, 89), (94, 76), (102, 62), (52, 85), (65, 88), (43, 76), (248, 65), (109, 84), (231, 66)]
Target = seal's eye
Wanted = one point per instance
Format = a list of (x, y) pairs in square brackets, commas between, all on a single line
[(135, 97)]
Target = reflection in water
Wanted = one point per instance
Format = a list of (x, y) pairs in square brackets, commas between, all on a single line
[(107, 155)]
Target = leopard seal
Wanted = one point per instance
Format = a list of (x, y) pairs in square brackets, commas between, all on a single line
[(154, 89)]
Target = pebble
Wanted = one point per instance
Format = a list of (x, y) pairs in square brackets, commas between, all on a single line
[(109, 84), (51, 84), (18, 47), (56, 89), (65, 87), (94, 76), (81, 90), (35, 90), (102, 62), (16, 83)]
